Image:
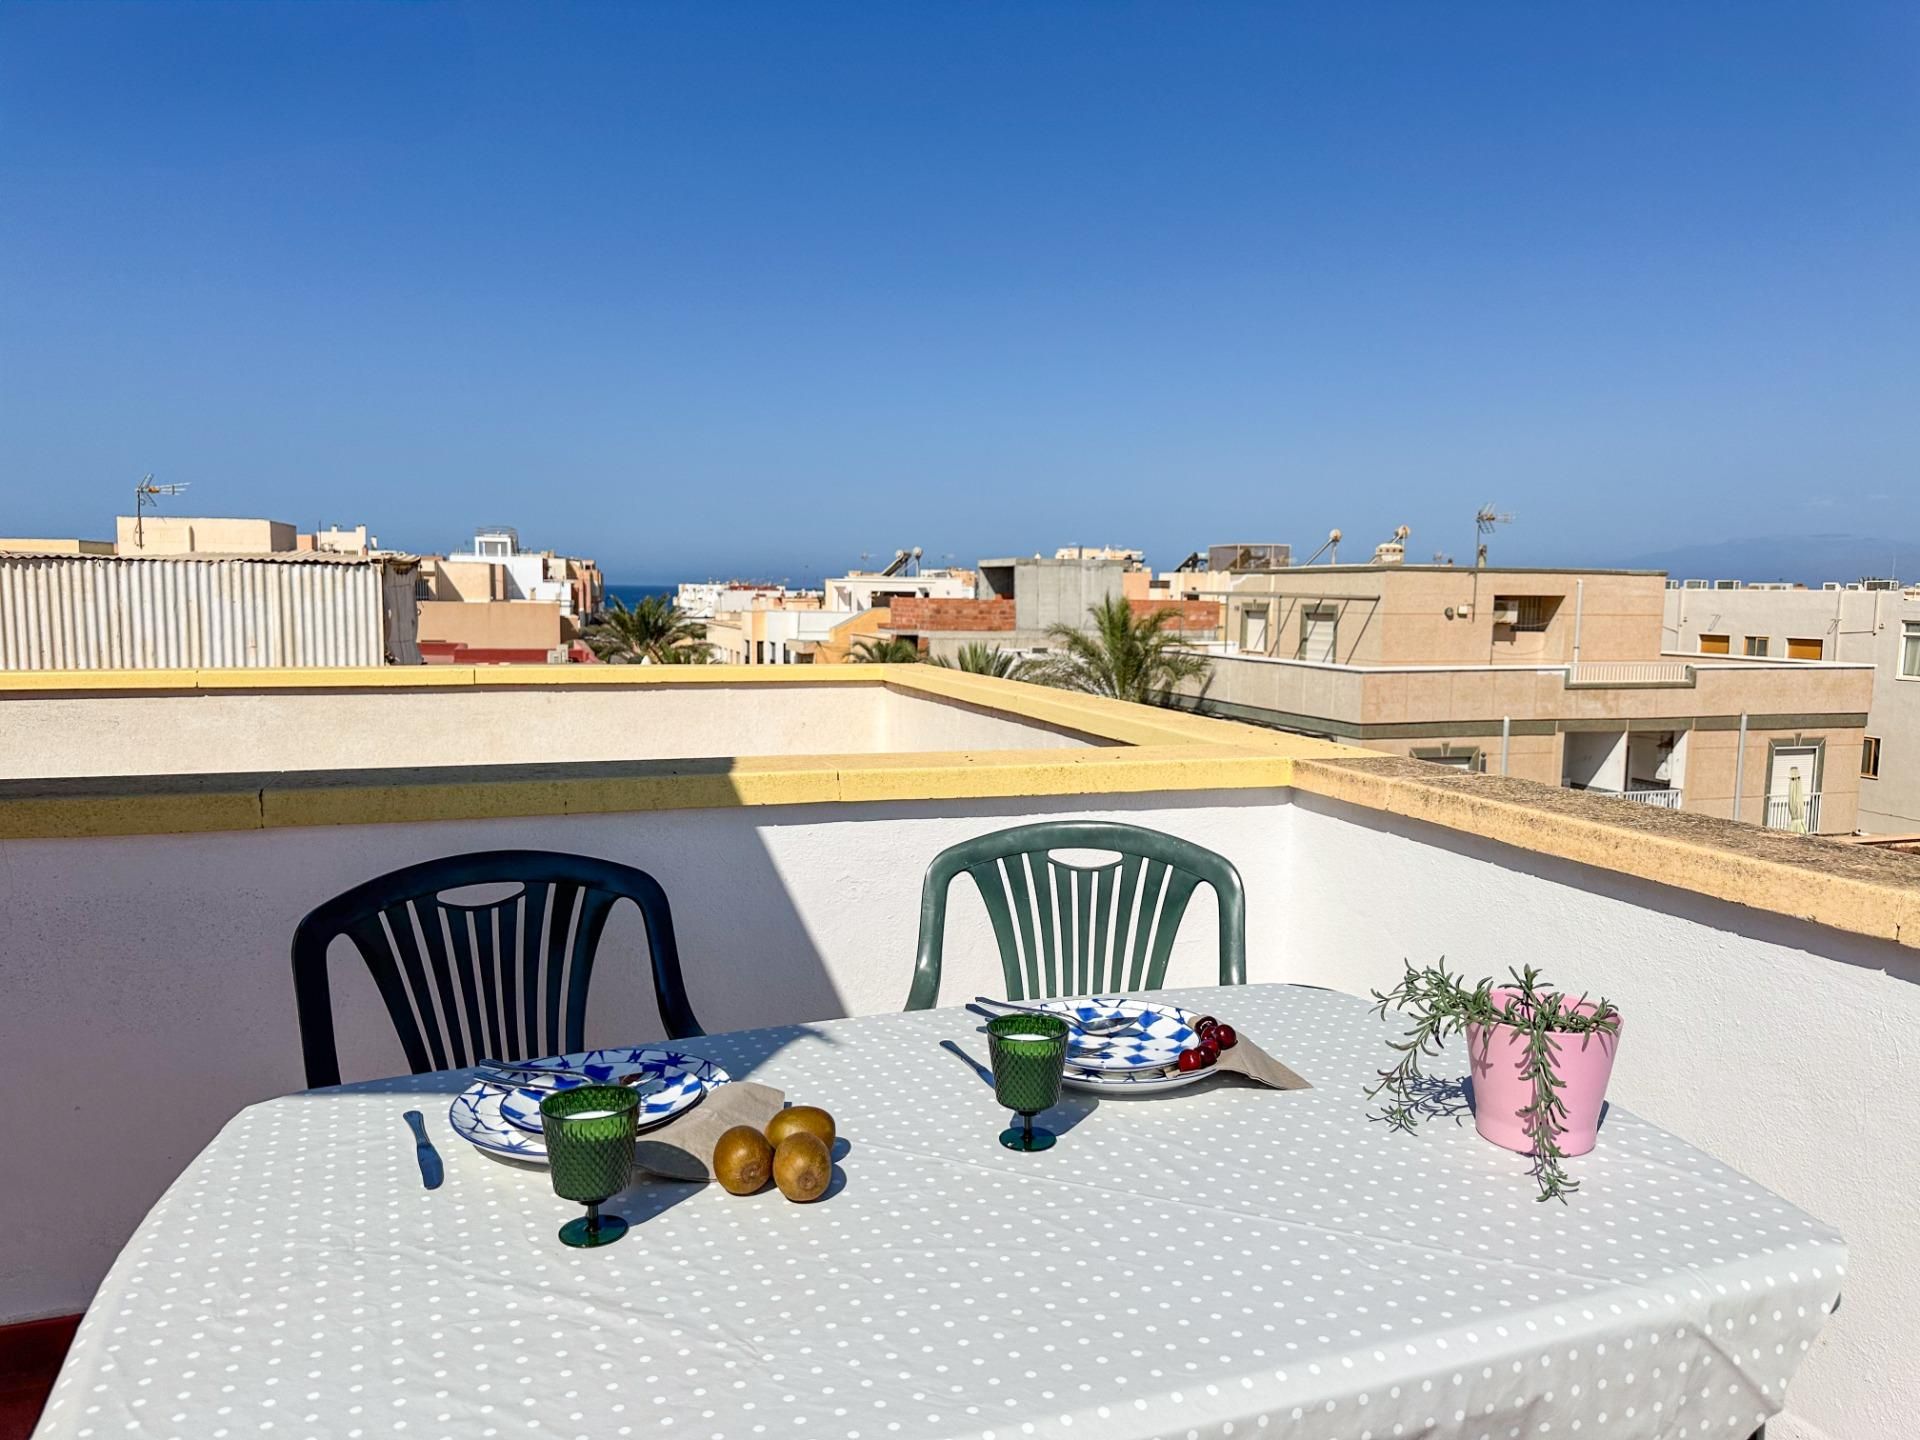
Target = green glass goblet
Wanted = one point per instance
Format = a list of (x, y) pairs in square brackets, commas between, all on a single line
[(589, 1131), (1029, 1054)]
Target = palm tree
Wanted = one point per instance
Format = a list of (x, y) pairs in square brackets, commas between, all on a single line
[(1123, 657), (978, 659), (885, 651), (654, 632)]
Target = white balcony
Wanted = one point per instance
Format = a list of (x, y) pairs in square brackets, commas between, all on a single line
[(1801, 816), (1659, 799), (1770, 995)]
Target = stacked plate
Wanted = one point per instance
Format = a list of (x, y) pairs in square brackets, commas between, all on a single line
[(1136, 1060), (506, 1122)]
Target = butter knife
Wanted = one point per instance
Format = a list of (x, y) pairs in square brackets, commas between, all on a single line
[(432, 1172)]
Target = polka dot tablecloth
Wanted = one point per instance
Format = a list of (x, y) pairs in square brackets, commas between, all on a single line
[(1215, 1261)]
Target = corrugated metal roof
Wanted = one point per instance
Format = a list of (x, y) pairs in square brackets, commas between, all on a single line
[(94, 612)]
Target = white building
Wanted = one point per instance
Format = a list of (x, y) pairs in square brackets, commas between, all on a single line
[(862, 589), (527, 572), (1879, 626), (700, 598)]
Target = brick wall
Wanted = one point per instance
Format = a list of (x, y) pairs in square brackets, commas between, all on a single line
[(1188, 614), (916, 615)]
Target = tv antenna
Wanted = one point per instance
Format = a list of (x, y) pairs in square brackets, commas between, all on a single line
[(146, 497), (1483, 524)]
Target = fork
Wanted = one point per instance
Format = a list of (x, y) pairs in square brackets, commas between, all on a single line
[(495, 1072), (1104, 1025)]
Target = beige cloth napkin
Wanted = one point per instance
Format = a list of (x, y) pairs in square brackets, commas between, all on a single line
[(1248, 1059), (682, 1149)]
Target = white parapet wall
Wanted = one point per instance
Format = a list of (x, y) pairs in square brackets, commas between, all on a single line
[(149, 986), (148, 993), (189, 732), (1791, 1051)]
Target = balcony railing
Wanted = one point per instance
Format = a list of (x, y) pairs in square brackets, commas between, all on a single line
[(1784, 814), (1659, 799), (1630, 672)]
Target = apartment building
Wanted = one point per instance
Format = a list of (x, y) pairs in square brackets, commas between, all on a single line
[(1017, 601), (770, 625), (202, 535), (1549, 675), (497, 603), (1877, 627)]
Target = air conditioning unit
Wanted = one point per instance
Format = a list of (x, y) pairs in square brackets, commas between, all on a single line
[(1506, 613)]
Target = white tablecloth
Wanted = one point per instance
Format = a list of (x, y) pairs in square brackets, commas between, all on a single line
[(1217, 1261)]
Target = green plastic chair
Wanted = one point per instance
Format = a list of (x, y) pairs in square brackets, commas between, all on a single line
[(1101, 945)]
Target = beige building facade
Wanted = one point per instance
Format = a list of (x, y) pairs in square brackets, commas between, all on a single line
[(202, 535), (1554, 676), (1878, 628)]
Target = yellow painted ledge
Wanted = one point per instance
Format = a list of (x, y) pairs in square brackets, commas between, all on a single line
[(150, 805)]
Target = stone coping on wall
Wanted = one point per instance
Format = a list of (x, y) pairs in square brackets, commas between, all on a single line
[(1828, 882), (1850, 888)]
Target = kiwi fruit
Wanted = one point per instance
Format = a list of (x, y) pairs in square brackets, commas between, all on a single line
[(808, 1119), (802, 1166), (742, 1160)]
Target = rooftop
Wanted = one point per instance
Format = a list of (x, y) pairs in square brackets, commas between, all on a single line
[(177, 825)]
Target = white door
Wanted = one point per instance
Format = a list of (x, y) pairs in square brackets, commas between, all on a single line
[(1319, 632), (1253, 630), (1792, 802)]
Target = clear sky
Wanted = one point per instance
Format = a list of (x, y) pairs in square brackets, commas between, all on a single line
[(744, 288)]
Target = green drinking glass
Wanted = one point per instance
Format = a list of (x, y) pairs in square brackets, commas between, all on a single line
[(589, 1131), (1029, 1054)]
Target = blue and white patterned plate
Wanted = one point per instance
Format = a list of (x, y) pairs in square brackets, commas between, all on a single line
[(1131, 1082), (1163, 1032), (480, 1116)]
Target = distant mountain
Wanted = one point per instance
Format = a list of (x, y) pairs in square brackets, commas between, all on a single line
[(1808, 559)]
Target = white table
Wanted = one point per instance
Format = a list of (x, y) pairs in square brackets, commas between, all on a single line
[(1218, 1261)]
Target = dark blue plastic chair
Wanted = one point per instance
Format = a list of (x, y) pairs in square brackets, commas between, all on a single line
[(465, 981)]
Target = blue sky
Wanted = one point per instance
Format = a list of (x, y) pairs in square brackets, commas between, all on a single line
[(745, 288)]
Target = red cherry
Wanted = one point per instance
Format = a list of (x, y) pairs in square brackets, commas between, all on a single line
[(1209, 1052), (1191, 1060), (1225, 1036), (1204, 1024)]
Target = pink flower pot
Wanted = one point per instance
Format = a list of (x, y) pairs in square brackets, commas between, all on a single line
[(1502, 1092)]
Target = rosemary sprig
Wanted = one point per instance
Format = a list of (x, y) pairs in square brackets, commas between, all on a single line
[(1441, 1004)]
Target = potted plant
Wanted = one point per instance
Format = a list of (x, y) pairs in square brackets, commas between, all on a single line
[(1540, 1062)]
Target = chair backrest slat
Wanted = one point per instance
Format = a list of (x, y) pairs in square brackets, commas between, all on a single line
[(508, 978), (460, 938), (559, 926), (595, 905), (1173, 909), (406, 948), (533, 931), (486, 963), (1080, 929)]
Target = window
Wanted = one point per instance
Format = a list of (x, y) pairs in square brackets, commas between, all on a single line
[(1756, 645), (1805, 649), (1870, 758), (1910, 650), (1714, 645), (1454, 759), (1524, 613), (1319, 633)]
